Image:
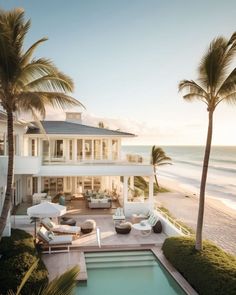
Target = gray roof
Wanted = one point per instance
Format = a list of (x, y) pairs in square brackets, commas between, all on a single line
[(64, 127)]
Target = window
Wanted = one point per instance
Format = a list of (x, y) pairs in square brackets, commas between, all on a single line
[(79, 149), (71, 149), (58, 148), (88, 149), (114, 149), (2, 144), (33, 147), (105, 149), (97, 149)]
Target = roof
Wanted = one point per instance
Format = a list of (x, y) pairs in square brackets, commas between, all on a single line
[(64, 127)]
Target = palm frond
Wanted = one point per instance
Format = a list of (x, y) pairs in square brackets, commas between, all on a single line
[(63, 285), (27, 56), (26, 276), (229, 85)]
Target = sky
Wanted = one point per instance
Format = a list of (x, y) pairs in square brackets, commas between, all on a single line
[(127, 57)]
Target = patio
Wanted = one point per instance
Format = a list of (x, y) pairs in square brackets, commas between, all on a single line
[(109, 237)]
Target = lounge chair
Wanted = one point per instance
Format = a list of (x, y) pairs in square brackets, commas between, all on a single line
[(152, 220), (59, 243), (59, 228), (119, 215)]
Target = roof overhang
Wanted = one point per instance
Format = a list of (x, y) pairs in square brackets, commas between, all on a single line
[(95, 170)]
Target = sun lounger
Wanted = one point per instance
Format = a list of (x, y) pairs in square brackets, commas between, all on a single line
[(152, 220), (59, 228), (58, 243), (119, 215)]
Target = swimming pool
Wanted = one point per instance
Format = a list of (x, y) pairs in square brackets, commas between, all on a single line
[(127, 273)]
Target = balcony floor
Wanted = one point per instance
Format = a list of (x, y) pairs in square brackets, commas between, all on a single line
[(74, 207)]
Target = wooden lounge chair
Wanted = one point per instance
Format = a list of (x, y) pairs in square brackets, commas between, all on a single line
[(54, 243), (59, 228)]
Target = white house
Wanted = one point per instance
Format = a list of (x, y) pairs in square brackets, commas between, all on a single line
[(68, 156)]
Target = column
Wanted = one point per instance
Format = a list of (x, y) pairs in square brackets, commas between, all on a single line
[(39, 188), (151, 199), (125, 190)]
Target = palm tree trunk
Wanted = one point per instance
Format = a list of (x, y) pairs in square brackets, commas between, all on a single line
[(198, 244), (155, 175), (8, 195)]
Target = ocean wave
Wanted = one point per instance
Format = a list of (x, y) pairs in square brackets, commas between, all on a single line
[(211, 166)]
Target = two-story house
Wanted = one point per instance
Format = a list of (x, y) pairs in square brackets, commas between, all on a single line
[(70, 157)]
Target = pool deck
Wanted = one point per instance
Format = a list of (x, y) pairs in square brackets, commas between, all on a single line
[(58, 263)]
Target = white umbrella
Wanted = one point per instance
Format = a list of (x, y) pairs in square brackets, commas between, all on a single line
[(46, 209)]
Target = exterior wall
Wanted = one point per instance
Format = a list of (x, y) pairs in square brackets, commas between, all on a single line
[(168, 228)]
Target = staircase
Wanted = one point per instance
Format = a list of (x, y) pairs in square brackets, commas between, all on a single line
[(119, 259)]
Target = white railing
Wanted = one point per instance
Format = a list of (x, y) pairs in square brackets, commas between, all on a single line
[(174, 222)]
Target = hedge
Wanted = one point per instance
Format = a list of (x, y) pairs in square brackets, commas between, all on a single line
[(211, 271), (18, 254)]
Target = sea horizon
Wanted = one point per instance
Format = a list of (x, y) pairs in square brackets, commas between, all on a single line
[(187, 167)]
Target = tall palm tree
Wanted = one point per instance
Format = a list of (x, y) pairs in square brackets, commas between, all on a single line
[(216, 83), (159, 158), (26, 84)]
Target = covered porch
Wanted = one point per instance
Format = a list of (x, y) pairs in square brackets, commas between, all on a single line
[(128, 186)]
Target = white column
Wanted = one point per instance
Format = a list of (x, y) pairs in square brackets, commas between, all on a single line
[(125, 190), (151, 199), (39, 184)]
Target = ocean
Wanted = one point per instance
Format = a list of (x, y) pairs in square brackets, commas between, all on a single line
[(187, 167)]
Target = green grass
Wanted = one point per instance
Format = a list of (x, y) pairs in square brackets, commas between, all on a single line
[(18, 254), (210, 272)]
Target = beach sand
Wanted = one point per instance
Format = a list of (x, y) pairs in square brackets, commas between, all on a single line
[(219, 219)]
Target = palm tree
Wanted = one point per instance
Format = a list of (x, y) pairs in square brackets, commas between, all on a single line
[(64, 284), (26, 84), (158, 158), (216, 83)]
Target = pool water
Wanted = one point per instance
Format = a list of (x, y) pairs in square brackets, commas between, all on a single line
[(126, 273)]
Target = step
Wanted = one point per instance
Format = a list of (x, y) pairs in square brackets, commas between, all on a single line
[(121, 264), (119, 259), (120, 253)]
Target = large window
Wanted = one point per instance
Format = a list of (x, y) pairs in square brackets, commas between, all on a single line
[(71, 149), (58, 148), (33, 147), (2, 144), (105, 149), (45, 150), (79, 149), (97, 149), (88, 149), (114, 149)]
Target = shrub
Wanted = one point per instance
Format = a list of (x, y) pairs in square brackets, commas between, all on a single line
[(210, 271), (18, 254)]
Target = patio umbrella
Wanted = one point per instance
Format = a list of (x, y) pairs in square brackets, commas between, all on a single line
[(45, 209)]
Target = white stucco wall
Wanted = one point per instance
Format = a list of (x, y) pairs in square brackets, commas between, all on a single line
[(168, 228)]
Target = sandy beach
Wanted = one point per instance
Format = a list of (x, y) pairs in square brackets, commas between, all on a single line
[(219, 219)]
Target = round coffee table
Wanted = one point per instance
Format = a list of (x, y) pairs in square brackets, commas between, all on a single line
[(144, 230)]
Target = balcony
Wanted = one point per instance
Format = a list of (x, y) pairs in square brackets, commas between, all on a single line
[(27, 165)]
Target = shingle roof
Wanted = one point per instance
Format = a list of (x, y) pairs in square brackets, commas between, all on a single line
[(63, 127)]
